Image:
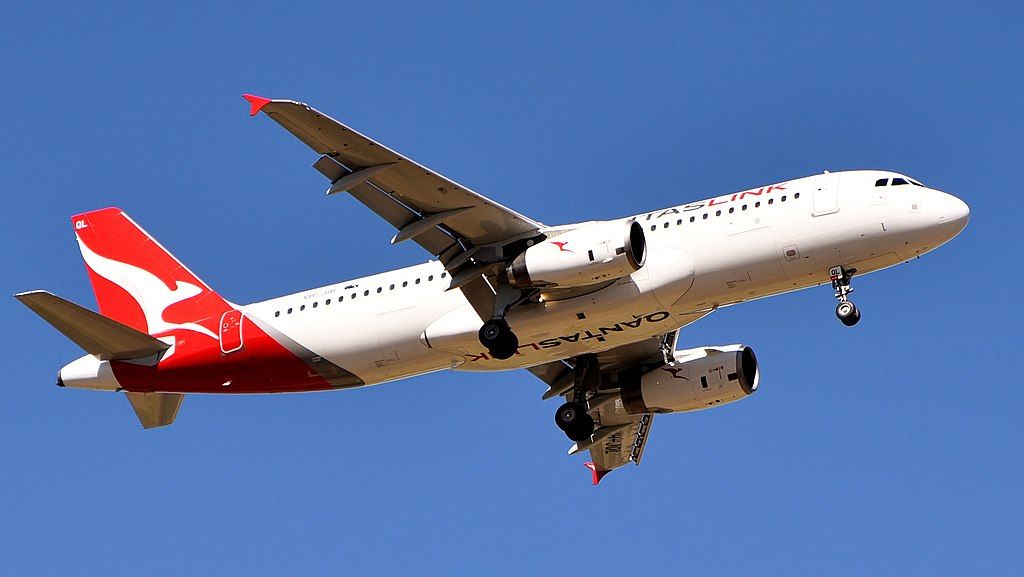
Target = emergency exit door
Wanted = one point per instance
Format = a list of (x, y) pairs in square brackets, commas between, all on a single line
[(231, 331)]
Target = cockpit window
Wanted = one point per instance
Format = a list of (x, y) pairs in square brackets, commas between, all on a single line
[(882, 182), (915, 183), (899, 181)]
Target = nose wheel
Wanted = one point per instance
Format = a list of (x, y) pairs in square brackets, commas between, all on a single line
[(846, 311)]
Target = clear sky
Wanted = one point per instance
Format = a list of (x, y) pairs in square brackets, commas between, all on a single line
[(890, 448)]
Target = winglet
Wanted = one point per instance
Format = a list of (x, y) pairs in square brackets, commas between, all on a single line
[(598, 475), (257, 103)]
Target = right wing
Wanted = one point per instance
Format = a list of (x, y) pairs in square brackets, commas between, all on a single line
[(469, 233), (423, 205)]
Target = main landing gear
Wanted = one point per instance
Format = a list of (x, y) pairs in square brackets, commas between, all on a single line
[(573, 417), (495, 334), (575, 421), (499, 339), (847, 312)]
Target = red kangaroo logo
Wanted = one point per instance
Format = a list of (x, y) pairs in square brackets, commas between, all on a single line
[(561, 245), (675, 372)]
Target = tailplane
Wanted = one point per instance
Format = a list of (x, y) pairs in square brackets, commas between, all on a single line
[(101, 337)]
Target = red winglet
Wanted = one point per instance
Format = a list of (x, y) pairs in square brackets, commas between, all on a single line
[(257, 102), (598, 475)]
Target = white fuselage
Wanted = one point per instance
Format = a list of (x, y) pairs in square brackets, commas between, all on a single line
[(701, 256)]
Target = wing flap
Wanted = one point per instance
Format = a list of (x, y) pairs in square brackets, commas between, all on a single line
[(96, 334)]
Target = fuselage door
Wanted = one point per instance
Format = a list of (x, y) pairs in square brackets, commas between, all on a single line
[(826, 194), (231, 331)]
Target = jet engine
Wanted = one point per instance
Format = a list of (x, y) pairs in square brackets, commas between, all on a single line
[(700, 379), (583, 256)]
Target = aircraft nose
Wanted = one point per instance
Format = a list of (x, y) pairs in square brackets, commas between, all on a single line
[(953, 212)]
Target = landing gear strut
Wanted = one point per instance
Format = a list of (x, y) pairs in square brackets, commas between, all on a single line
[(572, 417), (847, 312), (495, 334)]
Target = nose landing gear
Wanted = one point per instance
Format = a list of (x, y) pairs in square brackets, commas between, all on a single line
[(846, 311)]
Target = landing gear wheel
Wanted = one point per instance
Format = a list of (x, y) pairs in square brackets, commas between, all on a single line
[(499, 339), (574, 421), (848, 313)]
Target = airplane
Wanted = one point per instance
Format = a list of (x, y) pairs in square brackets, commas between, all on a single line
[(593, 309)]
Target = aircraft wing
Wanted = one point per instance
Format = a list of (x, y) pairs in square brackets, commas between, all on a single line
[(423, 205), (620, 438)]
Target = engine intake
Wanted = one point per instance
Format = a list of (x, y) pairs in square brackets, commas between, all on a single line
[(583, 256), (701, 379)]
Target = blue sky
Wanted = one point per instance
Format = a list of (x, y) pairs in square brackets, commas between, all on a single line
[(891, 448)]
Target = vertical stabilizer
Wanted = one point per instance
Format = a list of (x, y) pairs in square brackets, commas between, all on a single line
[(138, 283)]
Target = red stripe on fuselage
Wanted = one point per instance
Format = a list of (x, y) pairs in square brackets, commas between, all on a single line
[(196, 365)]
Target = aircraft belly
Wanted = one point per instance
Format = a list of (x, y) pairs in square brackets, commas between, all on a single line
[(620, 314)]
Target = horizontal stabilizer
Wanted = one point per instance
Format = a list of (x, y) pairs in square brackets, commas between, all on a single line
[(155, 409), (98, 335)]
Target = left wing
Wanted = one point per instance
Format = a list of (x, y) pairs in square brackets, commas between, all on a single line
[(619, 438)]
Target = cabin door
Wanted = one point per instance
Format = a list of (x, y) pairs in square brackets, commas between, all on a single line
[(826, 194)]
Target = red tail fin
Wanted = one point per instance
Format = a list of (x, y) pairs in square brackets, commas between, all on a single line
[(138, 283)]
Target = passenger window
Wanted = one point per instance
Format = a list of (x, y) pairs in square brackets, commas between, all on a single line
[(705, 216), (666, 224), (315, 303), (289, 310), (771, 200), (783, 198), (718, 213), (417, 281), (882, 182), (898, 181), (757, 204), (391, 288), (443, 274), (327, 302), (744, 207), (654, 227), (379, 289), (277, 313), (732, 209), (797, 195), (693, 218), (405, 283), (353, 295), (366, 293), (302, 308), (679, 222), (431, 277)]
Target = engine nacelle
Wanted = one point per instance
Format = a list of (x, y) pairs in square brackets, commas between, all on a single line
[(583, 256), (701, 378)]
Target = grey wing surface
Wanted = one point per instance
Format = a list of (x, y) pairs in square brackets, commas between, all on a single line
[(446, 218), (620, 437)]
